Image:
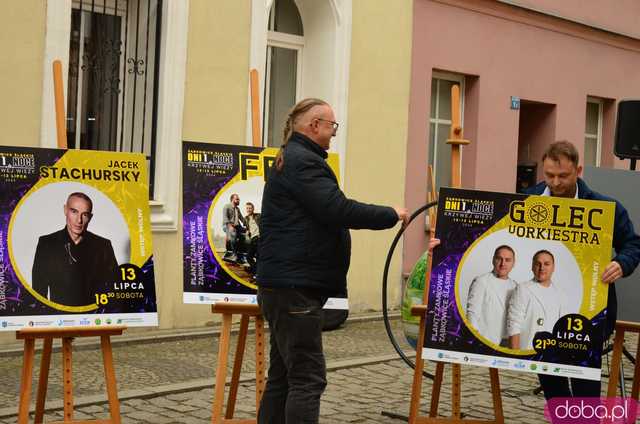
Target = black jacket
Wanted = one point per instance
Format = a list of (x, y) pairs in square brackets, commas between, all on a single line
[(304, 237), (72, 274), (626, 242)]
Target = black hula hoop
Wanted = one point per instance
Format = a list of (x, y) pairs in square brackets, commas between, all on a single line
[(387, 264)]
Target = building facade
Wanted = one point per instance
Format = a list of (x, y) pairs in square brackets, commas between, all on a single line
[(146, 75)]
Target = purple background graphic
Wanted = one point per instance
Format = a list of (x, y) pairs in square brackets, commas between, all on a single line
[(199, 190)]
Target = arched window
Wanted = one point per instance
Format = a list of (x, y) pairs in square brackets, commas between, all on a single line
[(300, 48), (285, 41)]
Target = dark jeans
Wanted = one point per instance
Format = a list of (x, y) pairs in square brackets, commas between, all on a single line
[(252, 253), (555, 386), (235, 237), (297, 370)]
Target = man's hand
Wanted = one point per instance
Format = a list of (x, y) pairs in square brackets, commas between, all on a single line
[(403, 214), (433, 242), (612, 272)]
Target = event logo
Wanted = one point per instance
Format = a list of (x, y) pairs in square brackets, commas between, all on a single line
[(4, 324), (24, 163), (211, 160), (98, 321), (469, 210), (499, 363), (539, 213), (519, 365), (85, 321)]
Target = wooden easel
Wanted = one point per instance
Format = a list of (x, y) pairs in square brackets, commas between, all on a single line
[(29, 335), (618, 344), (246, 312), (455, 140)]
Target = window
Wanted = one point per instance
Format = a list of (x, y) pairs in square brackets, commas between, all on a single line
[(283, 68), (319, 32), (112, 73), (593, 132), (440, 125), (161, 118)]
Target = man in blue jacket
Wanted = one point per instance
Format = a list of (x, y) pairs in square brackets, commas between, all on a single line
[(561, 179), (304, 253)]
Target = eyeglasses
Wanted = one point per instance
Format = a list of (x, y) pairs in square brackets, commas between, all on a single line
[(334, 124)]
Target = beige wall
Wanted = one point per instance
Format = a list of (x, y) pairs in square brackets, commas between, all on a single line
[(215, 110), (21, 78), (217, 71), (377, 136), (22, 28)]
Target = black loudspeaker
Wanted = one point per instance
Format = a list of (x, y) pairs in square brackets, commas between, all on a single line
[(628, 130)]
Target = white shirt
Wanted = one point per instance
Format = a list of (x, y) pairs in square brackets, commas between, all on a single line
[(534, 308), (254, 230), (547, 192), (487, 305)]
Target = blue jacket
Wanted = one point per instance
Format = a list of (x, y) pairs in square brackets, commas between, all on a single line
[(626, 242)]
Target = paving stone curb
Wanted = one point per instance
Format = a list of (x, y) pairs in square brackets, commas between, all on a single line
[(157, 336)]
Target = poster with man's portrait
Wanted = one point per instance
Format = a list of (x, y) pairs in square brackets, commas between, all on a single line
[(75, 239), (222, 203), (516, 283)]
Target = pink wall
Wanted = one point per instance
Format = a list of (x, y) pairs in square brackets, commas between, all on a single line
[(510, 52), (614, 15)]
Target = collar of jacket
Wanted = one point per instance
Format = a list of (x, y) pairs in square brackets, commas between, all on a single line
[(308, 144), (584, 192)]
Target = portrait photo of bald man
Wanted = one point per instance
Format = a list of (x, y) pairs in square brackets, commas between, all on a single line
[(72, 264)]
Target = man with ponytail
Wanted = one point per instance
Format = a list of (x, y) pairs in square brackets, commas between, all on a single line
[(304, 252)]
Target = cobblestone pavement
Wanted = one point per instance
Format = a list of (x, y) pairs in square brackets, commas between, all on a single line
[(168, 362), (354, 395), (364, 380)]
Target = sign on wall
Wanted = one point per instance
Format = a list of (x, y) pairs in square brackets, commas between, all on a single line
[(222, 202), (516, 283), (75, 239)]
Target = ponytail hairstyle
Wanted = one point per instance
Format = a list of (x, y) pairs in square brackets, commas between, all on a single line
[(302, 107)]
